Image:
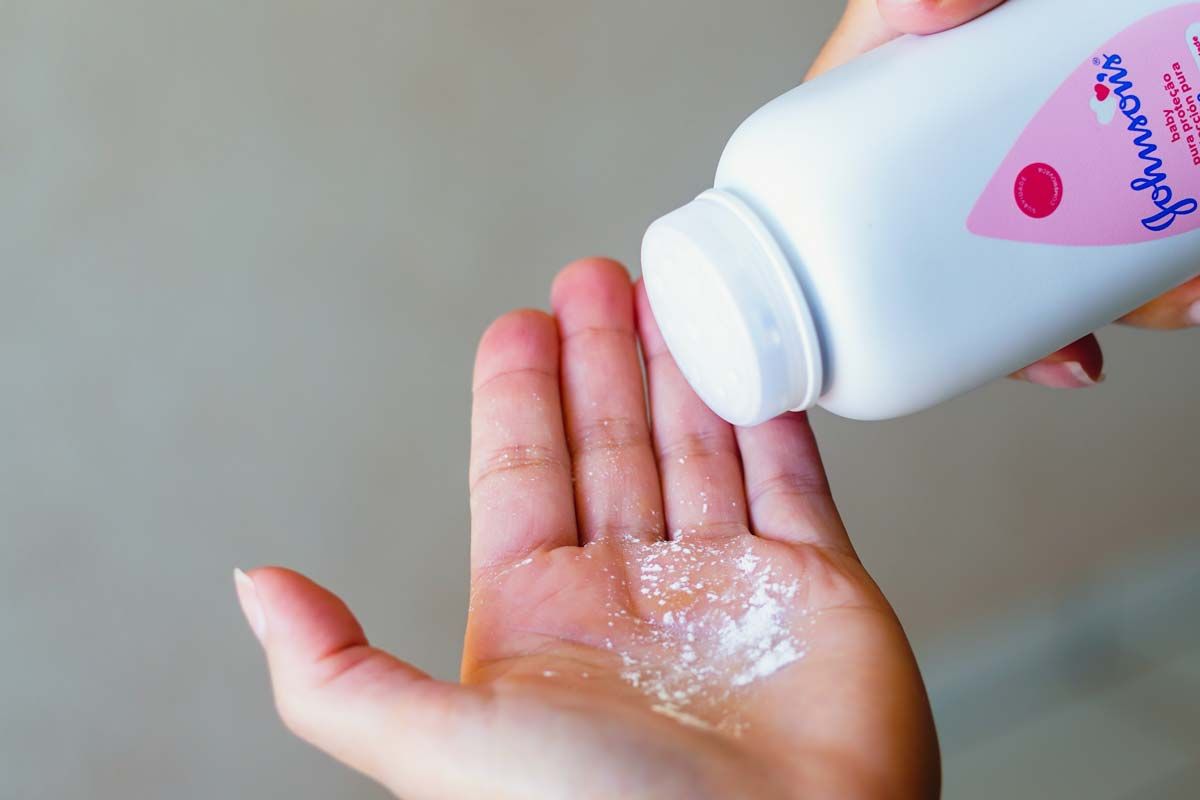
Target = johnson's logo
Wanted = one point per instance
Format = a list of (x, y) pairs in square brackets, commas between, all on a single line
[(1114, 85), (1104, 103)]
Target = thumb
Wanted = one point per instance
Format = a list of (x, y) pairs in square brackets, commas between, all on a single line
[(861, 29), (361, 705), (867, 24)]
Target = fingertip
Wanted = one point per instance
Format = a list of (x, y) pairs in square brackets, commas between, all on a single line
[(522, 323), (526, 337), (295, 617), (247, 595), (585, 269), (601, 282), (274, 583), (932, 16)]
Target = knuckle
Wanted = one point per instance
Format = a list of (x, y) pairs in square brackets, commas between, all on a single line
[(592, 273), (704, 444), (608, 435), (798, 485), (517, 461), (575, 336), (515, 375), (657, 353), (301, 698)]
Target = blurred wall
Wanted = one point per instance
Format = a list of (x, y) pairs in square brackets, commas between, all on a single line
[(246, 249)]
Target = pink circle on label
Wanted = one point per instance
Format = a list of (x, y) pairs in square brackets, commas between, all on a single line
[(1038, 190)]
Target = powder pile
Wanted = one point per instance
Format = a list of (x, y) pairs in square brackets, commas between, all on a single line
[(715, 617)]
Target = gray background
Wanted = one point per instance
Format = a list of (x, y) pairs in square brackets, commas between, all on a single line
[(246, 250)]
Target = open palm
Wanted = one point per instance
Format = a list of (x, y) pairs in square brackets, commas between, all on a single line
[(662, 606)]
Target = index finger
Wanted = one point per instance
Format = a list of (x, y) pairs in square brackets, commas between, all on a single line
[(521, 495)]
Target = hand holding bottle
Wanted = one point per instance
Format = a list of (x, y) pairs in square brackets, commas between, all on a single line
[(934, 216), (868, 24)]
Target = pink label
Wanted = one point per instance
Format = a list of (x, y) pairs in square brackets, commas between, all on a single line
[(1114, 157)]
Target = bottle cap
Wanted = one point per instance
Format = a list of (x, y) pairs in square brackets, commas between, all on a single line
[(731, 310)]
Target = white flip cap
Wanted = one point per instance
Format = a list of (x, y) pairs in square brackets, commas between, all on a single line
[(731, 310)]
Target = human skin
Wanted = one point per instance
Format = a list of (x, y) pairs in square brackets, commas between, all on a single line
[(575, 488)]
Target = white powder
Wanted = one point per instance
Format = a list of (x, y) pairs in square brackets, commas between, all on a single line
[(768, 662), (696, 621), (717, 634)]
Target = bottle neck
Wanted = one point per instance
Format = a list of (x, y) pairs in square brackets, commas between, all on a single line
[(732, 309)]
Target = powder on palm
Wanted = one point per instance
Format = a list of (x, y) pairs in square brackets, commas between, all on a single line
[(708, 632)]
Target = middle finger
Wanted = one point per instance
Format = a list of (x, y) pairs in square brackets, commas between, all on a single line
[(616, 483)]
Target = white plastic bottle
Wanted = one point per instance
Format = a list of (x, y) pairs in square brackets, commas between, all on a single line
[(940, 212)]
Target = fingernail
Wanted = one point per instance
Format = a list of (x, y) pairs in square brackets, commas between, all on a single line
[(1080, 375), (1194, 313), (1061, 375), (251, 606)]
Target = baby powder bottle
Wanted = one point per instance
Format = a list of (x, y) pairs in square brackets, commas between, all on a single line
[(940, 212)]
